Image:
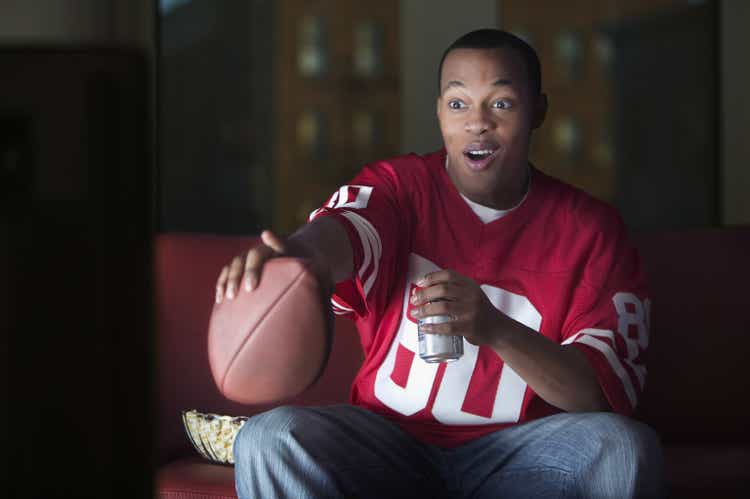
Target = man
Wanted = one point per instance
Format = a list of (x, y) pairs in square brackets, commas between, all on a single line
[(537, 276)]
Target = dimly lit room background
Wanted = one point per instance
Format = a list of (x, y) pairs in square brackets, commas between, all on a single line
[(261, 108), (122, 120), (266, 107)]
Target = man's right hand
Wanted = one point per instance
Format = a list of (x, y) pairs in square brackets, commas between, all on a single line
[(323, 242), (244, 270)]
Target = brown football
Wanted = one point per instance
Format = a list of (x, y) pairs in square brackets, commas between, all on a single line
[(271, 343)]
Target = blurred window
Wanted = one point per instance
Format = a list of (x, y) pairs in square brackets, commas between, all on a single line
[(266, 107)]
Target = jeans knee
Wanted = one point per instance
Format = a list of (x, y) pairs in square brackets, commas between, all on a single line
[(611, 437), (621, 457), (263, 433)]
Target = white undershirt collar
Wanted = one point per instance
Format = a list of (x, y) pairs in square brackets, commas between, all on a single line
[(487, 214)]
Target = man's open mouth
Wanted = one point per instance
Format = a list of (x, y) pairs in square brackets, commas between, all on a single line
[(480, 155)]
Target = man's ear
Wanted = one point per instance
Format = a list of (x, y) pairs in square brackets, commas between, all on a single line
[(437, 106), (540, 111)]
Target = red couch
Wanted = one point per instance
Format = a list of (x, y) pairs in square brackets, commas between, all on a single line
[(695, 396)]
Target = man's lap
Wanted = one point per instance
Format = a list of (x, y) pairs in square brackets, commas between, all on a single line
[(366, 453)]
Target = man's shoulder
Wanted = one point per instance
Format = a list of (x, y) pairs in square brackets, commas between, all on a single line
[(408, 162), (590, 233), (403, 171), (583, 212)]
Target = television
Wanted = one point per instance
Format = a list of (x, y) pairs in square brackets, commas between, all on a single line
[(76, 227)]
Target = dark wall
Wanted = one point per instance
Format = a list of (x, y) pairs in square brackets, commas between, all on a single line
[(75, 273), (215, 72), (667, 128)]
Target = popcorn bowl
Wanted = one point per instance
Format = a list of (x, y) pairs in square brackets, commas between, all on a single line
[(212, 435)]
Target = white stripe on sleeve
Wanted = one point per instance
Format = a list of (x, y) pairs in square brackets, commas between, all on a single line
[(639, 370), (372, 249), (588, 337), (339, 308), (602, 333)]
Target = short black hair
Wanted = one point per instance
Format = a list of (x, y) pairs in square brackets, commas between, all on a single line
[(494, 39)]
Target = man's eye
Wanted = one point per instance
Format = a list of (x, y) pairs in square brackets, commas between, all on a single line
[(502, 104), (456, 104)]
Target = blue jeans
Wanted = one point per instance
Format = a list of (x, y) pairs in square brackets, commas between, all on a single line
[(348, 452)]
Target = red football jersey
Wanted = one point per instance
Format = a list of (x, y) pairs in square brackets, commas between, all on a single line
[(560, 263)]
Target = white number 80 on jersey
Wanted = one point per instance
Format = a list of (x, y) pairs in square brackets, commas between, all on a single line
[(412, 396), (455, 383)]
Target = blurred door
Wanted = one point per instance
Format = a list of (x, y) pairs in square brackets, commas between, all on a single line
[(666, 120), (337, 98), (632, 92), (267, 107)]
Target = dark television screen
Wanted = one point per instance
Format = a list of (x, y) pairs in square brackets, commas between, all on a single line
[(75, 251)]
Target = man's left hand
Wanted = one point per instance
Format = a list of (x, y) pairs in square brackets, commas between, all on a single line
[(446, 292)]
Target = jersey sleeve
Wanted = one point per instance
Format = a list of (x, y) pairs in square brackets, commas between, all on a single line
[(374, 211), (610, 317)]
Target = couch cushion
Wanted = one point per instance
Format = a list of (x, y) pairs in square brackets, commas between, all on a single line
[(700, 334), (707, 471), (187, 266), (192, 478), (692, 471)]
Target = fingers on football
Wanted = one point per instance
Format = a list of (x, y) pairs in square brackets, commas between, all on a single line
[(273, 241), (245, 269), (235, 272), (221, 283), (254, 262)]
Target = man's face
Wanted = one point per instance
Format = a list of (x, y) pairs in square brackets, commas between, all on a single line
[(486, 111)]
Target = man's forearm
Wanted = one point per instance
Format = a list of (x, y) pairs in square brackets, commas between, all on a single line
[(326, 241), (561, 375)]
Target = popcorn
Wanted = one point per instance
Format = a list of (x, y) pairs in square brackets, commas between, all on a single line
[(213, 435)]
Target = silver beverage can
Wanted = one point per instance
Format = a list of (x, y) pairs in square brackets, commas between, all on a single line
[(438, 347)]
